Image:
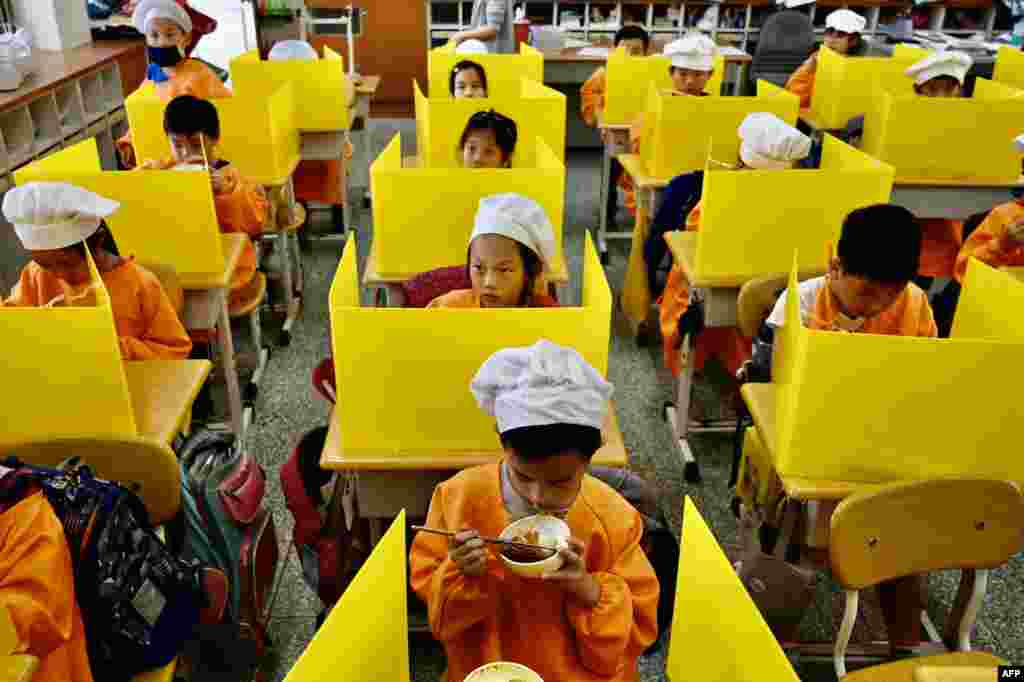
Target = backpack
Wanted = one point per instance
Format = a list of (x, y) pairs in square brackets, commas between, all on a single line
[(226, 524), (139, 601), (331, 542)]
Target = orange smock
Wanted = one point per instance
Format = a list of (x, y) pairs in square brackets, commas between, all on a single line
[(941, 239), (592, 96), (988, 242), (37, 588), (801, 83), (502, 617), (147, 324), (467, 298), (725, 343)]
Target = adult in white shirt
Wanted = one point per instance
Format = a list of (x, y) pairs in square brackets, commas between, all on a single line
[(491, 23)]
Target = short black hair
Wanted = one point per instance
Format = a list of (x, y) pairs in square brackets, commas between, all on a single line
[(102, 238), (462, 66), (506, 133), (633, 32), (882, 243), (949, 80), (188, 115), (534, 443)]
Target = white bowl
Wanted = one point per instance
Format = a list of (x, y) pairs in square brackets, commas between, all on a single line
[(503, 672), (190, 167), (553, 532)]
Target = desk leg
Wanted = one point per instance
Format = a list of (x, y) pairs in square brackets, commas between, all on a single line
[(602, 225), (636, 293), (227, 361), (741, 79), (678, 414)]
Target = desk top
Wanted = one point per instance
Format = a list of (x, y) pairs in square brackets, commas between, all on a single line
[(635, 167), (683, 246), (955, 183), (233, 244), (954, 673), (612, 453), (368, 85), (162, 394), (372, 277), (761, 399)]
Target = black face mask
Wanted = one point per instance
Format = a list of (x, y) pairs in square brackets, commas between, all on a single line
[(164, 56)]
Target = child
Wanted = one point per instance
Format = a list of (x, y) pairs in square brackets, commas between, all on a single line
[(591, 619), (636, 42), (941, 74), (511, 248), (999, 240), (693, 64), (193, 129), (766, 143), (56, 223), (843, 30), (488, 141), (467, 79), (167, 28)]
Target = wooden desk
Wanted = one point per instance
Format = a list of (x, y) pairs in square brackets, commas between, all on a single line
[(388, 282), (954, 673), (359, 178), (162, 394), (206, 307), (956, 199)]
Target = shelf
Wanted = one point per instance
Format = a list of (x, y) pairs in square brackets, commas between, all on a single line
[(46, 128), (18, 134), (94, 99), (70, 111), (110, 77)]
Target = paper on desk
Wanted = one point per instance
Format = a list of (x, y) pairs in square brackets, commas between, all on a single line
[(573, 43), (729, 51), (594, 52)]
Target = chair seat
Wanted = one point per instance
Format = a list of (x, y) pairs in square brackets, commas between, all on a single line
[(903, 671), (252, 296)]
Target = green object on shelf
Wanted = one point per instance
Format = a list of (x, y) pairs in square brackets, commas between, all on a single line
[(278, 8)]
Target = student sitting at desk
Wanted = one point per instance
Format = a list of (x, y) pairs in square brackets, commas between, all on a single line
[(511, 248), (589, 620), (941, 74), (843, 30), (193, 128), (766, 143), (693, 64), (168, 31), (488, 140), (56, 223), (467, 80)]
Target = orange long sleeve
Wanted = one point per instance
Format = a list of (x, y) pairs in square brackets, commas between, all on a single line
[(37, 589), (988, 242), (501, 616), (941, 240), (801, 82), (674, 302), (147, 325), (592, 97)]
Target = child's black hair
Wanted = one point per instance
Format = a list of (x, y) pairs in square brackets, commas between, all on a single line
[(633, 32), (534, 443), (949, 80), (881, 243), (188, 115), (505, 131), (100, 239), (463, 66), (532, 266)]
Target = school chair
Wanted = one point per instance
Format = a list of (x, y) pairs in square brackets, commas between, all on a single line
[(168, 277), (912, 528), (285, 220), (249, 307), (150, 467), (786, 39), (14, 667)]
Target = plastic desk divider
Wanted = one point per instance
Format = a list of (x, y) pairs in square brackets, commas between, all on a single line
[(844, 86), (83, 157), (504, 71)]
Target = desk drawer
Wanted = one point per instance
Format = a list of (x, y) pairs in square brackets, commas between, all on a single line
[(383, 494)]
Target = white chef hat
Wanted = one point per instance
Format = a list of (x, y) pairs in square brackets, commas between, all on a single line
[(768, 142), (942, 63), (1018, 144), (539, 385), (846, 21), (472, 46), (693, 51), (298, 50), (520, 218), (148, 10), (55, 215), (790, 4)]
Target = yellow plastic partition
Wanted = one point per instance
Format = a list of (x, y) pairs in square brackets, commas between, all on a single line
[(63, 372), (404, 373), (503, 70), (83, 157), (889, 408), (844, 86), (990, 305), (165, 217), (1009, 69), (718, 635), (629, 80), (967, 139), (378, 649), (423, 217), (322, 88), (678, 130), (258, 133), (537, 110), (753, 219)]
